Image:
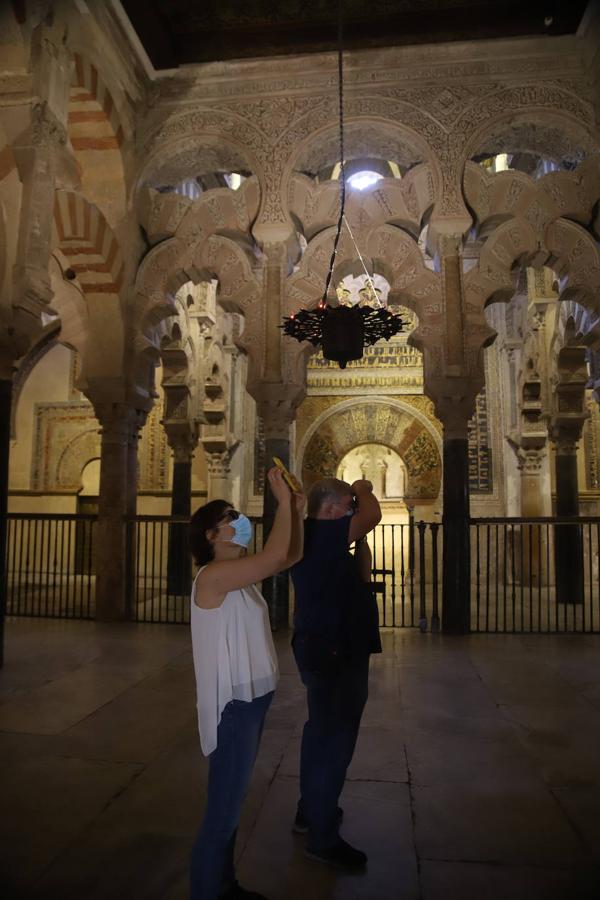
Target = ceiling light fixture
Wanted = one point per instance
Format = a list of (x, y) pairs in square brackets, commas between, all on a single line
[(342, 331)]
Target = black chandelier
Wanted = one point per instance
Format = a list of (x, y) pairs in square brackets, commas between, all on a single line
[(342, 331)]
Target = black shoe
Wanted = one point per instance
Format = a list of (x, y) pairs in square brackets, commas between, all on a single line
[(300, 825), (237, 892), (340, 856)]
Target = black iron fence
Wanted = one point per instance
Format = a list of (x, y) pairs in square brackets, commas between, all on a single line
[(407, 574), (162, 570), (535, 575), (527, 575), (50, 565)]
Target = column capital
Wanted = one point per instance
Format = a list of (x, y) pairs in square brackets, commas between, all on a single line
[(219, 463), (182, 438), (566, 437), (277, 403), (454, 402), (530, 461), (119, 422)]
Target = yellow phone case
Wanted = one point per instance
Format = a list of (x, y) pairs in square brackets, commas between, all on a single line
[(289, 479)]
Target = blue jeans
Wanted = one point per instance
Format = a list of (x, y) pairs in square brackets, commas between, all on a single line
[(229, 771), (335, 706)]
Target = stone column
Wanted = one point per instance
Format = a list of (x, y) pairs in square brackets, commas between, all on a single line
[(526, 554), (453, 379), (456, 560), (219, 470), (120, 425), (276, 405), (179, 566), (5, 404), (568, 549)]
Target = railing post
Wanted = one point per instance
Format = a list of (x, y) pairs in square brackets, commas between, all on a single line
[(435, 615), (422, 577)]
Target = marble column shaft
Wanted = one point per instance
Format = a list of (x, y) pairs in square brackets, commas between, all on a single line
[(5, 405), (120, 426), (568, 539), (179, 564), (456, 565)]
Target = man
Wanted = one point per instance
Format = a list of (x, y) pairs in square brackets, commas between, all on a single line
[(335, 631)]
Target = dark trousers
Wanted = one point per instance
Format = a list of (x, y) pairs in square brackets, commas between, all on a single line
[(229, 771), (335, 706)]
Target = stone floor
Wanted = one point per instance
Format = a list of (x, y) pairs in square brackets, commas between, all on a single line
[(477, 773)]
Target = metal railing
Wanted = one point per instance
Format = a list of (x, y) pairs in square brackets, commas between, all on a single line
[(406, 571), (535, 575), (527, 575), (162, 571), (50, 565), (407, 574)]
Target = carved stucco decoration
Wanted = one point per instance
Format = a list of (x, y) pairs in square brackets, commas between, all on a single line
[(413, 123), (66, 436), (230, 141), (571, 195), (575, 256), (526, 225), (81, 450), (173, 263), (349, 426), (403, 203), (164, 215)]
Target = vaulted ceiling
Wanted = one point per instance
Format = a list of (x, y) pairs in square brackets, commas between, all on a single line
[(178, 32)]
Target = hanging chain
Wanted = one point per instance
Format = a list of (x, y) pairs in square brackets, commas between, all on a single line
[(342, 177), (375, 296)]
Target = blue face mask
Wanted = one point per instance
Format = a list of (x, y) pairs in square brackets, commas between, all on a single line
[(242, 527)]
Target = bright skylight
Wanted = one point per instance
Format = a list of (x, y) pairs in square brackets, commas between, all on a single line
[(361, 180)]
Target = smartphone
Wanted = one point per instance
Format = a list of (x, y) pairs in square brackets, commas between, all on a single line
[(289, 479)]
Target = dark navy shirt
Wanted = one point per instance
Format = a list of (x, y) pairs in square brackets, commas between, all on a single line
[(332, 600)]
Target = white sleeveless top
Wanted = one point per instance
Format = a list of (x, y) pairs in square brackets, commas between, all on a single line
[(234, 656)]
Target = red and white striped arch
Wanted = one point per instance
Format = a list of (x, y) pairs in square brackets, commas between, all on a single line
[(93, 117), (86, 239)]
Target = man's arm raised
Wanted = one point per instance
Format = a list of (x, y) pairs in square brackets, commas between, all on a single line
[(368, 513)]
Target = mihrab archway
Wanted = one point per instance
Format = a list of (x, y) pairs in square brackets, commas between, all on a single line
[(390, 423)]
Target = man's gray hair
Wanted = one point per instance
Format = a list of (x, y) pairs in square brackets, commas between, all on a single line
[(327, 490)]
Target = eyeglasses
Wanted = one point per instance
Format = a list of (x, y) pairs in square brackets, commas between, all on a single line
[(230, 515)]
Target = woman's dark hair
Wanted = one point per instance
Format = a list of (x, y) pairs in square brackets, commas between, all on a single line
[(205, 518)]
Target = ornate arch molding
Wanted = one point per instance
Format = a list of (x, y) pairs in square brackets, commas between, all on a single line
[(541, 118), (390, 252), (172, 264), (403, 203), (84, 236), (375, 126), (220, 210), (493, 279), (92, 86), (180, 140), (495, 197), (372, 128), (575, 256), (392, 423), (80, 450)]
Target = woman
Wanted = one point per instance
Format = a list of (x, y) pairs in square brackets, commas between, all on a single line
[(236, 668)]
